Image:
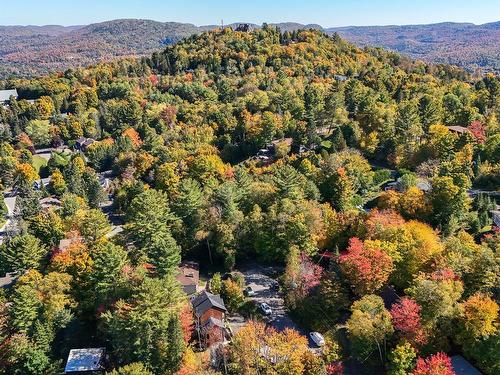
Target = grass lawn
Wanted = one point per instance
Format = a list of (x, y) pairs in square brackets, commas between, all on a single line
[(39, 163)]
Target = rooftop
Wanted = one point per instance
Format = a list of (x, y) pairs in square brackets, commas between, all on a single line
[(463, 367), (89, 359), (458, 129), (6, 94), (8, 280), (189, 273), (205, 301)]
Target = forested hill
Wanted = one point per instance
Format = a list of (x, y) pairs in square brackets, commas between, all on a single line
[(464, 44), (35, 50)]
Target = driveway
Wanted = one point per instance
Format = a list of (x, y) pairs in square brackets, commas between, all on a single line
[(10, 202), (267, 290)]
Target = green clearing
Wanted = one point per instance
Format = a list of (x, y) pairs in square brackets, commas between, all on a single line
[(39, 163)]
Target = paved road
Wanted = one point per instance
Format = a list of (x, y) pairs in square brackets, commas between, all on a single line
[(267, 290)]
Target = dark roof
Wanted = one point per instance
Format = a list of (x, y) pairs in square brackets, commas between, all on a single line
[(462, 367), (206, 301)]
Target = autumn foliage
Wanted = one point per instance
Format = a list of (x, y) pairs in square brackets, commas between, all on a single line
[(366, 267), (437, 364), (406, 319)]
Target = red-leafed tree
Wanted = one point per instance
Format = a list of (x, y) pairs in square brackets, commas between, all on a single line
[(366, 267), (187, 323), (335, 368), (437, 364), (407, 321), (301, 276), (478, 131)]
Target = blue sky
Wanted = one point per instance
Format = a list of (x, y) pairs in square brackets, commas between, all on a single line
[(324, 12)]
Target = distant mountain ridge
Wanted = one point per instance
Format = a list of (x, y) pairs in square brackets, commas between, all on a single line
[(467, 45), (34, 50)]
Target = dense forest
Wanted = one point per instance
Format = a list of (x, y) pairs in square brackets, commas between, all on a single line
[(260, 146), (30, 51)]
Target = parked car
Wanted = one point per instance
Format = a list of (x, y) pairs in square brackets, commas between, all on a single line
[(265, 308), (317, 338), (249, 292)]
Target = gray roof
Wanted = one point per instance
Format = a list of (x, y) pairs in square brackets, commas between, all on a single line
[(462, 367), (81, 360), (8, 280), (205, 301), (6, 94)]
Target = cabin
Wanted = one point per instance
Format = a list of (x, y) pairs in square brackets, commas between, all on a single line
[(5, 96), (48, 203), (42, 183), (8, 280), (210, 314), (189, 277), (81, 361), (458, 129), (83, 143), (340, 77)]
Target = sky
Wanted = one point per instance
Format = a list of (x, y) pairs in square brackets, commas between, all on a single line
[(328, 13)]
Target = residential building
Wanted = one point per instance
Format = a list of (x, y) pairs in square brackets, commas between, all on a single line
[(5, 96), (86, 360), (210, 315), (83, 143), (189, 277), (8, 280), (458, 129)]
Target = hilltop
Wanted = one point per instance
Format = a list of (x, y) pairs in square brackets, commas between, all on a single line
[(34, 50)]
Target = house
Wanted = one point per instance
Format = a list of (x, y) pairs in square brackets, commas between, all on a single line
[(463, 367), (495, 216), (83, 143), (210, 314), (458, 129), (189, 277), (287, 141), (5, 96), (50, 202), (44, 182), (8, 280), (340, 78), (424, 186), (85, 360)]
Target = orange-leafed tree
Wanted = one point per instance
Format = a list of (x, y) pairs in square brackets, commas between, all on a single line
[(437, 364), (366, 267)]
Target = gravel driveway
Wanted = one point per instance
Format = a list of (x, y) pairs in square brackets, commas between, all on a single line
[(267, 290)]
